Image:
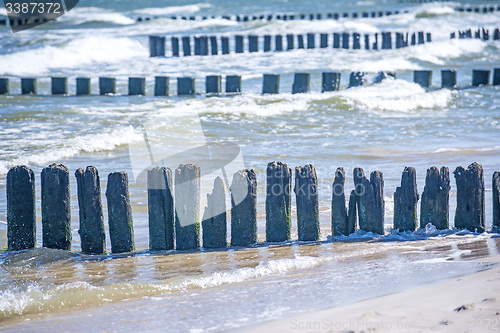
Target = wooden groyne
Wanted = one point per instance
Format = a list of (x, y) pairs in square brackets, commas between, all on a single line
[(174, 206)]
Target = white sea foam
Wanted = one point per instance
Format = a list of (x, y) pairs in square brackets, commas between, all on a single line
[(173, 9), (80, 15)]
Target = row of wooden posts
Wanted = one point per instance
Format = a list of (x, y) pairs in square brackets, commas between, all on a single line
[(270, 83), (480, 33), (174, 197), (209, 45)]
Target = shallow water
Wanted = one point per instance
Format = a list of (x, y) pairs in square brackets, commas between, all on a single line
[(384, 126)]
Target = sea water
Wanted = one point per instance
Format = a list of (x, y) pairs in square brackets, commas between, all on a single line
[(384, 126)]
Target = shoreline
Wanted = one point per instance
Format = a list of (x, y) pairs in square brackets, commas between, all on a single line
[(465, 303)]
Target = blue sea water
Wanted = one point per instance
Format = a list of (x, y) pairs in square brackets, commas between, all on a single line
[(384, 126)]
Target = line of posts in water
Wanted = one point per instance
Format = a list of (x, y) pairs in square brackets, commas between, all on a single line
[(174, 196), (233, 83), (217, 45)]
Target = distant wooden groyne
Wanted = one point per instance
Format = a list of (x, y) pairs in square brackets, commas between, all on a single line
[(174, 205), (186, 86)]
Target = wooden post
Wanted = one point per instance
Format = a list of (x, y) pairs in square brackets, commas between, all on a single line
[(233, 84), (356, 43), (83, 86), (405, 201), (423, 78), (435, 205), (289, 42), (136, 86), (310, 41), (238, 39), (28, 86), (470, 198), (91, 230), (330, 81), (185, 86), (59, 85), (340, 224), (323, 41), (271, 84), (480, 77), (370, 200), (278, 202), (225, 45), (301, 83), (175, 46), (253, 43), (448, 78), (186, 46), (161, 85), (4, 86), (107, 85), (244, 208), (278, 39), (496, 201), (56, 207), (121, 228), (21, 209), (213, 84), (214, 222), (187, 206), (306, 192)]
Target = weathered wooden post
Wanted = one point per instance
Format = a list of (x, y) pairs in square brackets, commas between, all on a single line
[(323, 41), (253, 43), (423, 78), (345, 40), (311, 41), (233, 84), (496, 34), (161, 85), (267, 43), (413, 39), (496, 76), (21, 209), (197, 45), (399, 40), (300, 42), (356, 44), (278, 202), (367, 42), (152, 46), (83, 86), (4, 86), (330, 81), (186, 46), (161, 212), (375, 42), (306, 193), (238, 40), (336, 40), (59, 85), (428, 37), (301, 83), (271, 84), (136, 86), (339, 213), (278, 40), (289, 42), (370, 200), (480, 77), (352, 213), (405, 201), (496, 201), (244, 208), (56, 208), (175, 46), (421, 37), (470, 198), (28, 86), (204, 45), (187, 206), (214, 222), (91, 230), (225, 44), (435, 204), (448, 78), (185, 86), (356, 79), (213, 84), (121, 227), (107, 85), (386, 41), (214, 49), (160, 46)]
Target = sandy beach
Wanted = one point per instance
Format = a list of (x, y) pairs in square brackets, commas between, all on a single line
[(468, 303)]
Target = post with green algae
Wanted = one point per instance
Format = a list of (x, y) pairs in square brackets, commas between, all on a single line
[(121, 228), (405, 202), (244, 208), (92, 235), (435, 204), (340, 224), (56, 207), (214, 222), (370, 200), (187, 206), (21, 209), (306, 192), (469, 213), (161, 213), (278, 202)]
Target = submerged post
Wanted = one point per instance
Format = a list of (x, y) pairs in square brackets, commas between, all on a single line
[(186, 46), (59, 85), (336, 40), (271, 84), (214, 222), (121, 228), (56, 207), (213, 84), (435, 204), (28, 86), (238, 39), (496, 201), (330, 81), (370, 200), (470, 198), (323, 41), (225, 45), (278, 40), (244, 208), (300, 42), (448, 78), (306, 193), (233, 84), (345, 40), (405, 201), (480, 77), (4, 86), (340, 224), (267, 43), (161, 85), (187, 206), (311, 41), (386, 41), (423, 78), (21, 210), (356, 41), (185, 86), (301, 83), (175, 46), (278, 202), (136, 86), (289, 42), (91, 229), (214, 49), (161, 213), (107, 85), (496, 76), (356, 79), (253, 43), (83, 86)]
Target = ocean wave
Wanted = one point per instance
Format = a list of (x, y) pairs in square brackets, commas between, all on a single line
[(187, 9), (82, 15)]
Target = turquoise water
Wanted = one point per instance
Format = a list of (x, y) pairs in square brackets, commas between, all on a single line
[(384, 126)]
